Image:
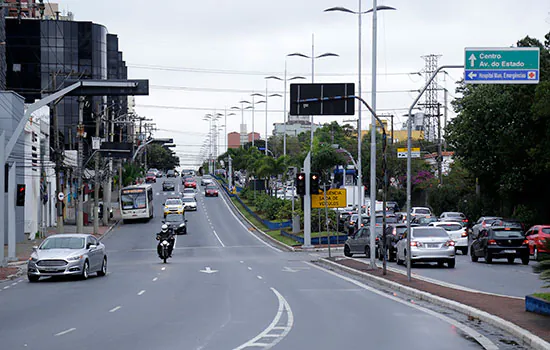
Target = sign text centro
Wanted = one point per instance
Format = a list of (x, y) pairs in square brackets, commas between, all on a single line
[(336, 198)]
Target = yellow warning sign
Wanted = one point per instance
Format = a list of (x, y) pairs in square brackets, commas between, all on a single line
[(336, 198)]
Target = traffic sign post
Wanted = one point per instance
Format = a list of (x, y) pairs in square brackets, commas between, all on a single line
[(506, 65), (335, 198)]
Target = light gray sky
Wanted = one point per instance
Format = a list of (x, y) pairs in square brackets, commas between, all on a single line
[(195, 41)]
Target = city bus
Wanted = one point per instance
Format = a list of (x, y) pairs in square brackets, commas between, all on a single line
[(136, 202)]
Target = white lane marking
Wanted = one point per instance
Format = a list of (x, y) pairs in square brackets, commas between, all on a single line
[(6, 287), (141, 292), (155, 279), (481, 339), (246, 229), (164, 268), (259, 277), (218, 237), (158, 193), (208, 270), (65, 332), (114, 309), (250, 268), (175, 241), (14, 284), (242, 262), (284, 307)]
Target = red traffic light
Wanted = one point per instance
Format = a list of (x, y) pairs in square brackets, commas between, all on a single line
[(301, 177), (314, 177)]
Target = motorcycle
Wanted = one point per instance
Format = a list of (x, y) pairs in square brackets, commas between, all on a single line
[(164, 250)]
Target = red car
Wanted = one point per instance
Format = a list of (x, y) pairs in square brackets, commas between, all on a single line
[(150, 177), (211, 191), (190, 183), (536, 236)]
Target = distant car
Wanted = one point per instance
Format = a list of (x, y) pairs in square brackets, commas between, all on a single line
[(481, 223), (177, 223), (417, 212), (189, 203), (190, 183), (454, 216), (359, 242), (211, 191), (428, 244), (168, 186), (537, 236), (188, 193), (173, 206), (150, 177), (171, 173), (154, 171), (457, 232), (206, 180), (160, 174), (496, 242), (67, 254), (423, 221)]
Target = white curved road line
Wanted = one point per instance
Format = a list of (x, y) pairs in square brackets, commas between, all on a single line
[(266, 339), (480, 338), (246, 228)]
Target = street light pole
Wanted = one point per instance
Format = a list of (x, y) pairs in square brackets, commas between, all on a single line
[(373, 142)]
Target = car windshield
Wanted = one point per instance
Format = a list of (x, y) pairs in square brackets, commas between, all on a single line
[(188, 190), (210, 187), (150, 174), (490, 221), (174, 218), (422, 211), (454, 215), (507, 234), (188, 199), (63, 243), (546, 230), (173, 202), (450, 227), (133, 199), (429, 232), (169, 183)]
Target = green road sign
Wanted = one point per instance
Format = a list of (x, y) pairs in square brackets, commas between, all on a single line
[(506, 65)]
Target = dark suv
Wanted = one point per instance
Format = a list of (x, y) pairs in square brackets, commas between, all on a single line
[(495, 242)]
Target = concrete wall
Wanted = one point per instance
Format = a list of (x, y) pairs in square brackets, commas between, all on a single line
[(11, 111)]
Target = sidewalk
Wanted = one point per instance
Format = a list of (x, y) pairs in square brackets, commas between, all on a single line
[(23, 250), (509, 309)]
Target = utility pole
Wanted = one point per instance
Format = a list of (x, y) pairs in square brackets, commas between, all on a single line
[(445, 114), (96, 182), (80, 190), (58, 154), (439, 154), (108, 187), (43, 187)]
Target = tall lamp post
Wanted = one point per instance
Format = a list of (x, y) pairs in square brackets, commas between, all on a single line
[(285, 116), (313, 57), (360, 14), (243, 125), (225, 131), (252, 107), (266, 97)]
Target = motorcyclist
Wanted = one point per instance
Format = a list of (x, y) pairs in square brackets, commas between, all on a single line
[(165, 234)]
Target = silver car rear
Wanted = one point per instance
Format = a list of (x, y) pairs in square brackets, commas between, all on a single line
[(428, 244)]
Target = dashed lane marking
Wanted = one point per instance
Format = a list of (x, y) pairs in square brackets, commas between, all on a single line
[(155, 279), (218, 237), (259, 277), (141, 292), (249, 268), (164, 268), (65, 332), (115, 309)]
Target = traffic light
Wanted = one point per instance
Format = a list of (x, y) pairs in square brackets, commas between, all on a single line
[(314, 184), (301, 184), (20, 195)]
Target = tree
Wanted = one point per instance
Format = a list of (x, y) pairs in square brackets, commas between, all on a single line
[(502, 134), (161, 158)]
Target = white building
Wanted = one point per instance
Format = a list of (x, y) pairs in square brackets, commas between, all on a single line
[(39, 174), (295, 126)]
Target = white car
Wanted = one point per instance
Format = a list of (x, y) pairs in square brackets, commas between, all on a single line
[(188, 193), (189, 203), (417, 212), (457, 233), (428, 244)]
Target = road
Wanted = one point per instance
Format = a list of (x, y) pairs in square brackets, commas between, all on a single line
[(223, 289)]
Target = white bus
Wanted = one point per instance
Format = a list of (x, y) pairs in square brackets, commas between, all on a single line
[(136, 202)]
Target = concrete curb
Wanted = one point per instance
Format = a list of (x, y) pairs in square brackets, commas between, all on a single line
[(265, 235), (529, 339)]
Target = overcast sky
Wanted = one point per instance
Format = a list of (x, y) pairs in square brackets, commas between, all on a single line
[(214, 53)]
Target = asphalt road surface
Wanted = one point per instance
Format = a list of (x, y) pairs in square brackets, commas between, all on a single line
[(223, 289)]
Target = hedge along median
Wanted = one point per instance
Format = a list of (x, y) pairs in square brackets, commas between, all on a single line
[(315, 238)]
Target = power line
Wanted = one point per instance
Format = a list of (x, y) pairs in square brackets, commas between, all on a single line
[(212, 108)]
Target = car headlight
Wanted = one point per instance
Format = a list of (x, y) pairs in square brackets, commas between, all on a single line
[(182, 225), (75, 258)]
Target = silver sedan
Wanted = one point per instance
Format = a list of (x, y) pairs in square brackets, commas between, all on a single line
[(428, 244), (67, 254)]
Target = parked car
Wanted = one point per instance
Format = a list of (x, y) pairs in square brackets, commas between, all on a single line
[(496, 242), (454, 216), (211, 191), (428, 244), (188, 193), (150, 177), (177, 223), (537, 236), (394, 232), (168, 186), (359, 242), (173, 206), (457, 232), (171, 173), (189, 203), (67, 254)]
